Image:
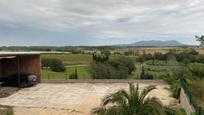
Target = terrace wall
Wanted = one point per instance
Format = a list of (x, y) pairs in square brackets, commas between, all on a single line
[(185, 103)]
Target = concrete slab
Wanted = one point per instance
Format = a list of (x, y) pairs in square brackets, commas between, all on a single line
[(69, 98)]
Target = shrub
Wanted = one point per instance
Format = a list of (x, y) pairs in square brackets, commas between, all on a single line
[(54, 64), (197, 70)]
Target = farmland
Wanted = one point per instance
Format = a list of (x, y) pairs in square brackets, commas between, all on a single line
[(70, 59)]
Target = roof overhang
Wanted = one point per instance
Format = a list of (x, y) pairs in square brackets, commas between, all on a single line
[(8, 54), (7, 57)]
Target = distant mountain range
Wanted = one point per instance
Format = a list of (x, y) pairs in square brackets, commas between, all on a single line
[(155, 43)]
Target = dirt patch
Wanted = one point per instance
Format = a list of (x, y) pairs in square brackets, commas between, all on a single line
[(7, 91)]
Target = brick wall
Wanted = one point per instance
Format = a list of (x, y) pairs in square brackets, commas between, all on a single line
[(28, 63)]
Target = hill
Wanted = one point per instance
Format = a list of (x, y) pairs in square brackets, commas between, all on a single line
[(156, 43)]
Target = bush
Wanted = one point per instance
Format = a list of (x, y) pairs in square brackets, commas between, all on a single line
[(54, 64), (197, 70)]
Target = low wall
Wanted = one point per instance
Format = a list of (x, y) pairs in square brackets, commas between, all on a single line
[(104, 81), (185, 103)]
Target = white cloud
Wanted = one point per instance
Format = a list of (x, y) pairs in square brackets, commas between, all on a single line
[(105, 19)]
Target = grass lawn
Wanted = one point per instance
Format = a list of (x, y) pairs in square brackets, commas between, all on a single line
[(70, 59), (82, 71)]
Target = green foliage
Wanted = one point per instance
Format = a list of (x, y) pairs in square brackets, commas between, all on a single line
[(9, 111), (69, 59), (197, 70), (6, 110), (144, 75), (118, 68), (196, 88), (132, 102), (106, 52), (180, 111), (74, 75), (100, 58), (189, 54), (54, 64), (82, 72), (140, 59), (175, 85)]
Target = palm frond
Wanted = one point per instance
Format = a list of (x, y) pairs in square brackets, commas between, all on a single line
[(145, 91), (119, 97)]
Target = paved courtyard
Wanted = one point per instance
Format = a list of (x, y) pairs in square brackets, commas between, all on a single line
[(71, 98)]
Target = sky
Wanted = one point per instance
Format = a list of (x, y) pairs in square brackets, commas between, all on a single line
[(98, 22)]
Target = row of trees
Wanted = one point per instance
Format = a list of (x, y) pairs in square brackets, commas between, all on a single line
[(188, 56)]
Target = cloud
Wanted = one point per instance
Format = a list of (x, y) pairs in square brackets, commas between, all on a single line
[(117, 21)]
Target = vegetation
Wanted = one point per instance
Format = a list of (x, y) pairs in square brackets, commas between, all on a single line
[(144, 75), (118, 68), (74, 75), (5, 110), (197, 70), (171, 65), (132, 103), (82, 73), (70, 59), (55, 65)]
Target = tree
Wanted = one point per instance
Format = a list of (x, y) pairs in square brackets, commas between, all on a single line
[(200, 39), (99, 58), (53, 64), (57, 65), (132, 102), (74, 75)]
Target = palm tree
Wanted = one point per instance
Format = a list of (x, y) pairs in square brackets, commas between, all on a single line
[(132, 103)]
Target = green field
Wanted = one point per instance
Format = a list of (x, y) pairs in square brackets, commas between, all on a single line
[(82, 71), (70, 59)]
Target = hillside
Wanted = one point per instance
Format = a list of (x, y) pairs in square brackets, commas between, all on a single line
[(156, 43)]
